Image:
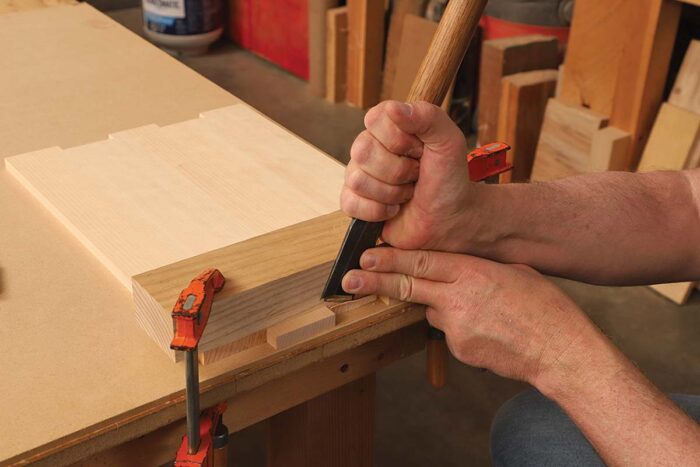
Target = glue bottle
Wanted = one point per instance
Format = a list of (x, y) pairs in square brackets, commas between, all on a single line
[(183, 27)]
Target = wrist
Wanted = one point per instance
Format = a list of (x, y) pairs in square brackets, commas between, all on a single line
[(587, 363)]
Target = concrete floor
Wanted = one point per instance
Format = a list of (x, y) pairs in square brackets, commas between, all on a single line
[(417, 425)]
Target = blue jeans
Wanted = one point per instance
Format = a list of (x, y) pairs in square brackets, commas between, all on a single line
[(531, 430)]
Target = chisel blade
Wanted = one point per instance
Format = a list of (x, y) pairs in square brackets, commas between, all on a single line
[(360, 236)]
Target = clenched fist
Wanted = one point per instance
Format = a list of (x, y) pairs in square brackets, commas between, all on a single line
[(409, 168)]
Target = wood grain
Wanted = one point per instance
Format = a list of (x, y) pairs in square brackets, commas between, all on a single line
[(400, 8), (335, 429), (503, 57), (301, 327), (610, 150), (268, 279), (523, 99), (317, 44), (565, 140), (336, 54), (162, 194), (674, 144), (365, 50), (686, 89)]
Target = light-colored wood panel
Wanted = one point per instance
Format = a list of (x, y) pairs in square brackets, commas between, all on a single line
[(159, 195), (268, 279), (400, 9), (336, 54), (503, 57), (317, 44), (686, 89), (610, 150), (674, 144), (524, 98), (300, 327), (565, 140), (365, 51)]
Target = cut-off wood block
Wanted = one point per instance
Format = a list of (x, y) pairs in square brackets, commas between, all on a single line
[(686, 89), (300, 327), (610, 150), (336, 54), (565, 140)]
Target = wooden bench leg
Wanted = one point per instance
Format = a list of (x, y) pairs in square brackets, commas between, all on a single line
[(335, 429)]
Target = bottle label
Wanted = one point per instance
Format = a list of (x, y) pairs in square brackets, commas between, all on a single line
[(170, 8)]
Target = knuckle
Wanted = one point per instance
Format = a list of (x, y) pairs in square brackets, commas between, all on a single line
[(422, 263), (355, 180), (361, 148), (348, 202), (405, 288)]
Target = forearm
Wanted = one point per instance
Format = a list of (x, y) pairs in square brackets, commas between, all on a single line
[(610, 228), (626, 419)]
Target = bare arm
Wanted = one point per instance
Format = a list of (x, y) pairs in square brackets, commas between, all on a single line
[(607, 228), (409, 168)]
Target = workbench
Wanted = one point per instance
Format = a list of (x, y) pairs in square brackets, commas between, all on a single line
[(76, 361)]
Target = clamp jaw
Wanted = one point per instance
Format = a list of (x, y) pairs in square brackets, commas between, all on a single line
[(192, 309)]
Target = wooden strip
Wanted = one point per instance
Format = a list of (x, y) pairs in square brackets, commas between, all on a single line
[(524, 98), (301, 327), (686, 89), (317, 44), (503, 57), (565, 140), (365, 48), (335, 429), (610, 150), (268, 279), (673, 145), (646, 59), (207, 357), (400, 9), (336, 54)]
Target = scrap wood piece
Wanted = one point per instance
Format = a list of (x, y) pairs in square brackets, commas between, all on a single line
[(336, 54), (524, 98), (301, 327), (400, 9), (318, 35), (365, 50), (415, 41), (686, 89), (268, 279), (610, 150), (503, 57), (674, 144), (565, 140)]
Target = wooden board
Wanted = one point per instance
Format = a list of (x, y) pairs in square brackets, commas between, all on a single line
[(610, 150), (503, 57), (301, 327), (317, 44), (674, 141), (269, 279), (336, 54), (98, 79), (365, 51), (524, 98), (400, 8), (686, 89), (565, 140), (160, 195), (674, 144)]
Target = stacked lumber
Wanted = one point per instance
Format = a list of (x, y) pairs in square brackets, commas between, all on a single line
[(229, 190), (674, 142)]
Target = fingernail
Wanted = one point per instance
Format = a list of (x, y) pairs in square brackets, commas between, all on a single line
[(368, 261), (392, 210), (406, 109), (351, 283)]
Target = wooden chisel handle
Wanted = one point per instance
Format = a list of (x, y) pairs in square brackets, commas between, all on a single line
[(438, 69), (446, 51)]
